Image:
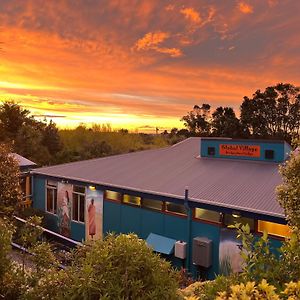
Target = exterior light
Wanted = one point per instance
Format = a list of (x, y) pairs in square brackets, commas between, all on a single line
[(236, 214), (92, 188)]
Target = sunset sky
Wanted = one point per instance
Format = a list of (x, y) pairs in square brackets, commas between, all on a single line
[(142, 64)]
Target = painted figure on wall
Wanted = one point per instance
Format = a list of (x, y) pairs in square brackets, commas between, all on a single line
[(64, 206), (66, 214), (92, 221), (94, 214)]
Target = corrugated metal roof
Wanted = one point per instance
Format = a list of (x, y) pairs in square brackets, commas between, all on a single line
[(23, 162), (237, 184)]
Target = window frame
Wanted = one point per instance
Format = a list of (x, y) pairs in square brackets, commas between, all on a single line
[(120, 196), (219, 224), (162, 209), (51, 186), (132, 204), (78, 194), (172, 212)]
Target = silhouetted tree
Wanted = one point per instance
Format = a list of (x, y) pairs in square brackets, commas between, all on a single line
[(225, 123), (274, 113), (198, 120)]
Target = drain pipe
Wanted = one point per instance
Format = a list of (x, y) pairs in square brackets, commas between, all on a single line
[(189, 222)]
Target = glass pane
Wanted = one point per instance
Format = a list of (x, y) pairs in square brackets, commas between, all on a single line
[(75, 207), (207, 215), (81, 208), (55, 200), (274, 228), (51, 183), (111, 195), (79, 189), (49, 200), (153, 204), (175, 208), (132, 200), (232, 219), (23, 185)]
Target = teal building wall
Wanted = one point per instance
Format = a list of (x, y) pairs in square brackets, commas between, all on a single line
[(281, 149), (123, 218)]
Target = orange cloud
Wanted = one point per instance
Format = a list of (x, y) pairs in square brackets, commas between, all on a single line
[(151, 40), (69, 60), (192, 15), (245, 8)]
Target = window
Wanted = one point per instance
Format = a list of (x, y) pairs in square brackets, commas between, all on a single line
[(111, 195), (211, 151), (235, 218), (274, 228), (269, 154), (51, 196), (152, 204), (207, 215), (175, 208), (134, 200), (78, 203)]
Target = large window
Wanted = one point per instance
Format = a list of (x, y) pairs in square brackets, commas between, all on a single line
[(51, 196), (175, 208), (236, 218), (78, 203), (207, 215), (152, 204), (273, 228), (134, 200), (112, 195)]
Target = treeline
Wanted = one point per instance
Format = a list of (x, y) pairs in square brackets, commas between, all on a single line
[(270, 114), (45, 144)]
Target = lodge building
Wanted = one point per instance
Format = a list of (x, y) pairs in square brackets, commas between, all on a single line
[(180, 199)]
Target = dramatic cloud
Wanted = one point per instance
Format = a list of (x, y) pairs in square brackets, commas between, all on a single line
[(136, 62), (245, 8)]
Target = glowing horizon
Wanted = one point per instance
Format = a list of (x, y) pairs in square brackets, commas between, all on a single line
[(143, 64)]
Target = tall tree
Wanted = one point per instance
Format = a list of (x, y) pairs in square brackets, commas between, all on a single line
[(225, 123), (273, 113), (289, 191), (12, 118), (10, 191), (198, 120)]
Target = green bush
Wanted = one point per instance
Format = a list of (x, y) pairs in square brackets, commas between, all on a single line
[(119, 267)]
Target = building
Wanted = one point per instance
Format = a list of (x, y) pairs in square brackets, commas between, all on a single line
[(25, 166), (180, 198)]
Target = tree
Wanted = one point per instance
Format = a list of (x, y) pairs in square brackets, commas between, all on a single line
[(51, 139), (10, 191), (225, 123), (12, 118), (198, 120), (119, 267), (274, 113), (289, 191)]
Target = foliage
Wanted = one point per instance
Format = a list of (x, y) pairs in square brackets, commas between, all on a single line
[(31, 138), (10, 192), (121, 267), (273, 113), (197, 120), (289, 191), (263, 290), (225, 123), (6, 232)]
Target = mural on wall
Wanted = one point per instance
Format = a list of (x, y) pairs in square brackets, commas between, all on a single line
[(64, 206), (230, 259), (94, 214)]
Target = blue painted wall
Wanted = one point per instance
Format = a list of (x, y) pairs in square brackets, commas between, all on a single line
[(281, 149), (51, 220), (122, 218)]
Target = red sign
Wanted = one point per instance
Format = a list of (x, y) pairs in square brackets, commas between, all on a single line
[(239, 150)]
